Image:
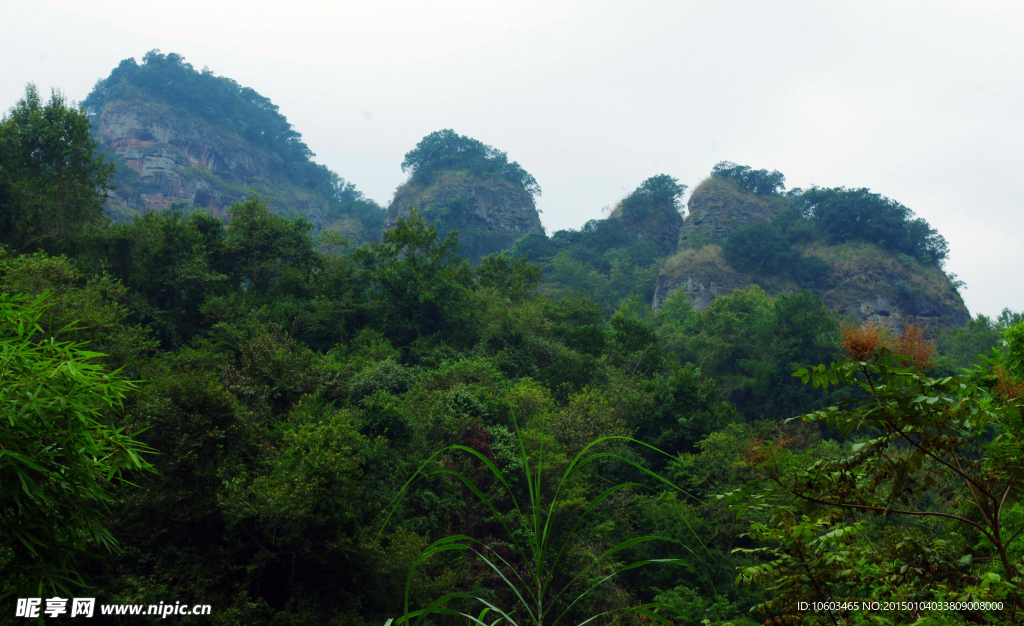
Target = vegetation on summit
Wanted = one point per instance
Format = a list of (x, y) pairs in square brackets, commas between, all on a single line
[(221, 100), (448, 150), (859, 214), (613, 259), (458, 183), (760, 182)]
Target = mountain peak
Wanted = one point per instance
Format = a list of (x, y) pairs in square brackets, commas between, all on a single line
[(189, 139)]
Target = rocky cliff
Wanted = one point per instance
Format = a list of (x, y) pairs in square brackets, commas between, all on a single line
[(861, 279), (191, 140), (489, 211), (170, 156)]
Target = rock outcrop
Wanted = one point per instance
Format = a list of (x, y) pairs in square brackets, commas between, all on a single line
[(165, 155), (701, 273), (191, 140), (489, 212), (717, 207), (863, 280)]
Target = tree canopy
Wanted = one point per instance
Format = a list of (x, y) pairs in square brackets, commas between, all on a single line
[(52, 182), (862, 215), (764, 249), (653, 211)]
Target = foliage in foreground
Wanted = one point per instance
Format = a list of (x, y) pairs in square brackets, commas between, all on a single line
[(920, 504), (538, 578), (60, 453)]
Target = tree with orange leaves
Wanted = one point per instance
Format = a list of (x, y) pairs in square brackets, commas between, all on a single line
[(920, 504)]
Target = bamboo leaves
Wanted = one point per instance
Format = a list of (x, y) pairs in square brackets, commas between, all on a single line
[(58, 452)]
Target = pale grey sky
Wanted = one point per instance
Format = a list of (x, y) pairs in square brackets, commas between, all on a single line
[(922, 101)]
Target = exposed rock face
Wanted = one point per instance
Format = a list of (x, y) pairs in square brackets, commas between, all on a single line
[(718, 207), (489, 212), (166, 156), (870, 282), (701, 273), (863, 279)]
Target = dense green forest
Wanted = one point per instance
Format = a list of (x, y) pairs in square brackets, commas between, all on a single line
[(298, 431)]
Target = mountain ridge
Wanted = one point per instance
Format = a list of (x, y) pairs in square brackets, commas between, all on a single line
[(189, 140)]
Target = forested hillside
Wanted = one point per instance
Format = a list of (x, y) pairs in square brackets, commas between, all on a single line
[(248, 414)]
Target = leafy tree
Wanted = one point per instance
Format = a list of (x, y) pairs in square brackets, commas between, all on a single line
[(804, 332), (447, 150), (52, 182), (761, 182), (765, 250), (731, 339), (760, 249), (691, 408), (61, 452), (268, 251), (963, 347), (652, 211), (516, 278), (416, 283), (172, 265), (748, 341), (662, 188)]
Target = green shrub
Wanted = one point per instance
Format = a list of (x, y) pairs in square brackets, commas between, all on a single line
[(861, 215)]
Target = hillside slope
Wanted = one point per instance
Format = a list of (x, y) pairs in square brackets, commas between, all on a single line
[(190, 140)]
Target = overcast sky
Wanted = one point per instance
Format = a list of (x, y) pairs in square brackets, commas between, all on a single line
[(920, 101)]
